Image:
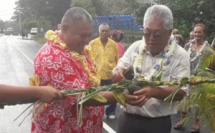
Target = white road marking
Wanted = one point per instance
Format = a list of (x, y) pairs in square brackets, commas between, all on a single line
[(108, 128), (24, 55)]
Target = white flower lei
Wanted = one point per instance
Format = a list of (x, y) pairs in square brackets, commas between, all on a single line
[(157, 69), (198, 53)]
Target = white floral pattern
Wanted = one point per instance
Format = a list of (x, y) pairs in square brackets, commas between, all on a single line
[(57, 67)]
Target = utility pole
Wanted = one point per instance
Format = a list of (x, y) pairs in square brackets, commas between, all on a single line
[(20, 26)]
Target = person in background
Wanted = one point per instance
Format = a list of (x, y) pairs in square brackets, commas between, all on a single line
[(66, 64), (175, 31), (194, 48), (192, 35), (179, 38), (105, 52), (190, 39), (10, 93), (155, 54), (117, 36)]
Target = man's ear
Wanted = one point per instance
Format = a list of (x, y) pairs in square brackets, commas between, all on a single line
[(64, 28)]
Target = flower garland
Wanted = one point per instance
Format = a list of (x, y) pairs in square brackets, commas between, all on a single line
[(198, 53), (156, 71), (93, 76)]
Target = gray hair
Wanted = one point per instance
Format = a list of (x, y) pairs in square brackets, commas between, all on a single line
[(74, 15), (162, 12), (103, 24)]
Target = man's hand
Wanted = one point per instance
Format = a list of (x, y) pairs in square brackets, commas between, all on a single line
[(48, 94), (139, 98), (117, 74), (147, 92), (135, 100)]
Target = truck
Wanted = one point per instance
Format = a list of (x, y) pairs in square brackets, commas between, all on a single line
[(8, 31)]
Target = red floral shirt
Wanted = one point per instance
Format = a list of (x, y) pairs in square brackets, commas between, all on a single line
[(57, 67)]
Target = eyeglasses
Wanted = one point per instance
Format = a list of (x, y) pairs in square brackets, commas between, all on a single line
[(155, 35)]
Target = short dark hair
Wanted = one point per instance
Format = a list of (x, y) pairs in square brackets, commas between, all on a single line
[(74, 15), (117, 35)]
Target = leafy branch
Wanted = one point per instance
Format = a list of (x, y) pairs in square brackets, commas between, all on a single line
[(118, 89)]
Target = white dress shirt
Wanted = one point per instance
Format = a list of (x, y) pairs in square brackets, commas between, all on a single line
[(178, 67)]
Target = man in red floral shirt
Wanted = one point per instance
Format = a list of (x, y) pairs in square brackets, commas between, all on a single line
[(63, 63)]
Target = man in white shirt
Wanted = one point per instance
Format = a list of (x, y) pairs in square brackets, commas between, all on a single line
[(155, 54)]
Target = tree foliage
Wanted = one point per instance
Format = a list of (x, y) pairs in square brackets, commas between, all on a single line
[(1, 25), (104, 8), (40, 13), (88, 5), (48, 13), (186, 14)]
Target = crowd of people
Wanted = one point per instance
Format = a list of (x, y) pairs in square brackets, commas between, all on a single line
[(194, 45), (71, 60)]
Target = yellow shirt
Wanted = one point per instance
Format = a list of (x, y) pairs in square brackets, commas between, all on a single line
[(105, 57)]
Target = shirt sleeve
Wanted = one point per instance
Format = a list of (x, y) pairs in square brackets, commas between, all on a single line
[(128, 58)]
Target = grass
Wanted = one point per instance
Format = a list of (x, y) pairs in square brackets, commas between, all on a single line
[(40, 39)]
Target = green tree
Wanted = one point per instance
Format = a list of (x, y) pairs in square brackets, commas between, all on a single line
[(86, 4), (53, 11), (41, 12), (186, 14), (1, 26), (48, 13)]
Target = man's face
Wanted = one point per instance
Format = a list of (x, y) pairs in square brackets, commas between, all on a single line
[(199, 33), (192, 35), (78, 36), (156, 36), (178, 39), (104, 32)]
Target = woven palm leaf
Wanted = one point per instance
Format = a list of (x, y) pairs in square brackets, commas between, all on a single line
[(202, 96)]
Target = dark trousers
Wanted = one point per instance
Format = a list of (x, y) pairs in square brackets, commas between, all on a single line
[(129, 123), (109, 109)]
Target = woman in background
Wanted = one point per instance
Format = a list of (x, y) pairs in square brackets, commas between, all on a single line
[(117, 36), (196, 49)]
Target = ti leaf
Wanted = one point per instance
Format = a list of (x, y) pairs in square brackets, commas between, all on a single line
[(119, 97)]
